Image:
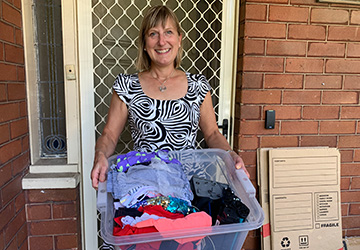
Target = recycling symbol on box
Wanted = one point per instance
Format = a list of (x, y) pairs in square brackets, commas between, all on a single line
[(285, 242)]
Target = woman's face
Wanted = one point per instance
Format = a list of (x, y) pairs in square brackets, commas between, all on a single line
[(162, 43)]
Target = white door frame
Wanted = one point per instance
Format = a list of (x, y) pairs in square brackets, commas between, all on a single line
[(230, 27), (87, 117), (227, 93)]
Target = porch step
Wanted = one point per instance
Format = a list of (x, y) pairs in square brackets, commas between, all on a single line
[(50, 180)]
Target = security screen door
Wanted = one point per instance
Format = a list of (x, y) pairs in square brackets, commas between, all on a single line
[(115, 27)]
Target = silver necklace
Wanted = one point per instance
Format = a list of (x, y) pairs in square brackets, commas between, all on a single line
[(162, 87)]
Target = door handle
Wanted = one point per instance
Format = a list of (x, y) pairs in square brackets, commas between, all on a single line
[(225, 127)]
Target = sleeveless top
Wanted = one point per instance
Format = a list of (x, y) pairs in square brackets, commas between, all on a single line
[(162, 124)]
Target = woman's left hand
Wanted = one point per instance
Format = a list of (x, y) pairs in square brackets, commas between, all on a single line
[(239, 163)]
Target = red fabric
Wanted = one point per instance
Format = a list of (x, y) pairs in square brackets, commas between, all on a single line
[(160, 211), (156, 246), (128, 230), (194, 220), (186, 246)]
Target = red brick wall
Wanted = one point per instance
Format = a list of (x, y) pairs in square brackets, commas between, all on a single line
[(53, 219), (14, 137), (52, 215), (302, 59)]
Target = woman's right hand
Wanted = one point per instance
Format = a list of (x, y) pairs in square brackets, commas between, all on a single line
[(100, 167), (106, 143)]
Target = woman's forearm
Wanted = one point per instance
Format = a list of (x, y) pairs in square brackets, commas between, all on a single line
[(217, 140), (105, 145)]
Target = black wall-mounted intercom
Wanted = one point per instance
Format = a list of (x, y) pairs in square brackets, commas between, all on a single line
[(270, 119)]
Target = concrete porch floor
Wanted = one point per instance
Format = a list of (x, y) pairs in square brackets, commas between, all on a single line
[(352, 243)]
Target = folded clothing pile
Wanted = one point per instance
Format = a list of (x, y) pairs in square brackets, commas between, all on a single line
[(153, 194)]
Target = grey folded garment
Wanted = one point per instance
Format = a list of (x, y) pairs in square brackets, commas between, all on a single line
[(148, 180)]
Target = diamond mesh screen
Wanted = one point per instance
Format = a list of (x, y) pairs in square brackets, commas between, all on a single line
[(115, 31)]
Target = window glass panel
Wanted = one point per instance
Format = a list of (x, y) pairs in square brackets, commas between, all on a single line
[(48, 37)]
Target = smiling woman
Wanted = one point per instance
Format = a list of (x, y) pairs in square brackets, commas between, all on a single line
[(159, 27), (162, 45), (165, 117), (205, 28), (135, 95)]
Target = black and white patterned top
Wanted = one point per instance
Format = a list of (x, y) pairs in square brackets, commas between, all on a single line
[(162, 124)]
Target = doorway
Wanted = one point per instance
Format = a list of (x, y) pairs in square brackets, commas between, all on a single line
[(112, 49)]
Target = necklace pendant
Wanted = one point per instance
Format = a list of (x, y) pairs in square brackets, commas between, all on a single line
[(162, 88)]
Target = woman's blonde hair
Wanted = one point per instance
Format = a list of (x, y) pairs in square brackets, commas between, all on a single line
[(154, 16)]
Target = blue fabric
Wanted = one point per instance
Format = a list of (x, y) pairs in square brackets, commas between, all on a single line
[(123, 162)]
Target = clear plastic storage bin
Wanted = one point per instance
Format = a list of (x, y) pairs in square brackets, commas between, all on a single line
[(212, 164)]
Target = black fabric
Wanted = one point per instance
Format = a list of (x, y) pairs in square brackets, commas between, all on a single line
[(226, 209), (232, 210), (133, 212)]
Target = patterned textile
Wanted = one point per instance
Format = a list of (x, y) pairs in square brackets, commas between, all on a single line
[(162, 124)]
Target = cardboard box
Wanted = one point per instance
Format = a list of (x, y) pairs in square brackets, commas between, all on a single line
[(304, 198), (263, 183)]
